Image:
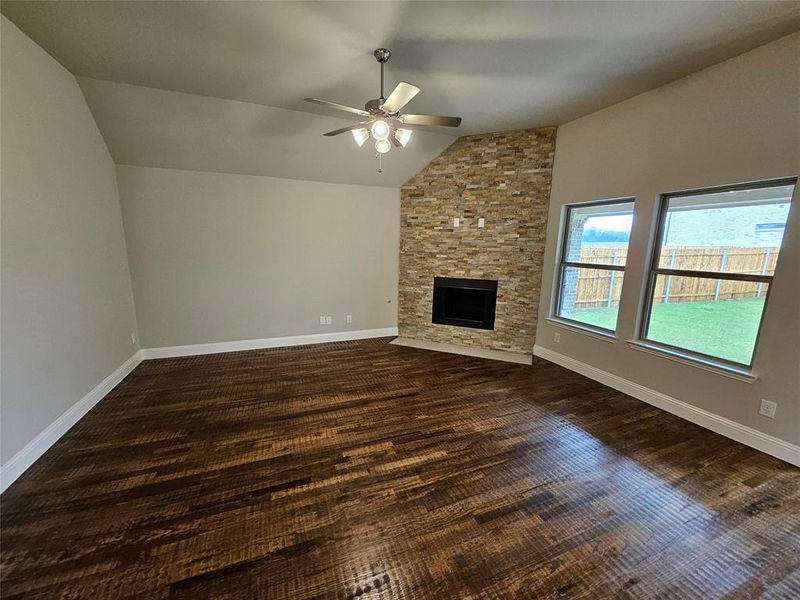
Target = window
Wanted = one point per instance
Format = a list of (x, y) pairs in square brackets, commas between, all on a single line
[(592, 263), (712, 269)]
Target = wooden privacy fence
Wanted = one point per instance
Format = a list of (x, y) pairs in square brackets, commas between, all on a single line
[(597, 288)]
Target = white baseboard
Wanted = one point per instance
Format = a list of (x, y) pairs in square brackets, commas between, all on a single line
[(23, 459), (276, 342), (736, 431), (502, 355)]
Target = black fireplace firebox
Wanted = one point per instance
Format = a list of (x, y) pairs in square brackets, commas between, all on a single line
[(464, 302)]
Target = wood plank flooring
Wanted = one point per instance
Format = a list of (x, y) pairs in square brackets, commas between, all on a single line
[(367, 470)]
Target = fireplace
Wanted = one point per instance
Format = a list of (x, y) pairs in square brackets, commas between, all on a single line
[(464, 302)]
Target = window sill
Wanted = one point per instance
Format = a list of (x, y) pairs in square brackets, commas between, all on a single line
[(740, 374), (590, 331)]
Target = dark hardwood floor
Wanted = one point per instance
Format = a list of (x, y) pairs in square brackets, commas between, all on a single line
[(362, 469)]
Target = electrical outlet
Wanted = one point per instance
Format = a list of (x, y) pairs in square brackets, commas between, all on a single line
[(321, 320), (328, 320), (349, 318), (768, 408), (456, 221), (133, 337), (481, 222), (556, 337)]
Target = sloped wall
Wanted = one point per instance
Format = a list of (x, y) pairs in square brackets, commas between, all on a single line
[(67, 304), (503, 178)]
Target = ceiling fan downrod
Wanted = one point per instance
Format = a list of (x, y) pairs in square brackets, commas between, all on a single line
[(382, 55)]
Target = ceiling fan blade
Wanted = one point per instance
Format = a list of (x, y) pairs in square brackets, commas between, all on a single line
[(431, 120), (357, 111), (400, 96), (346, 129)]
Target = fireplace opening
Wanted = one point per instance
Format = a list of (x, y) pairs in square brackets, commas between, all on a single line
[(464, 302)]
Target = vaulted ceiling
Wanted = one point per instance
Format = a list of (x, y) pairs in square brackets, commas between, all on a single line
[(218, 86)]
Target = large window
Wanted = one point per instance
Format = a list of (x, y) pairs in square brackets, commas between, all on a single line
[(712, 268), (594, 250)]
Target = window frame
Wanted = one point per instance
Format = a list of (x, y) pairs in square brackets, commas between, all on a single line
[(655, 270), (562, 264)]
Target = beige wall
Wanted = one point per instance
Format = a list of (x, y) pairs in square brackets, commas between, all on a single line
[(735, 122), (67, 307), (218, 258)]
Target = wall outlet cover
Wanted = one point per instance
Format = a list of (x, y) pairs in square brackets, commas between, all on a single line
[(556, 337), (328, 320), (768, 408), (481, 222), (456, 221)]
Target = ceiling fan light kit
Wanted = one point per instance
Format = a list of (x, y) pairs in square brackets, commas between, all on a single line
[(384, 120)]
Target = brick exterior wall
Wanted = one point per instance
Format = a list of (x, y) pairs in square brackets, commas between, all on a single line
[(504, 178), (569, 282)]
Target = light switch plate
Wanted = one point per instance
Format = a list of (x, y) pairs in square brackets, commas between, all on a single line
[(349, 318), (456, 221), (481, 222)]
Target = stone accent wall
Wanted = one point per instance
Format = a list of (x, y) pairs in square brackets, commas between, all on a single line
[(505, 179)]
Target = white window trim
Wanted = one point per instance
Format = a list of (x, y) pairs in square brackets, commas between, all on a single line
[(595, 332), (745, 375)]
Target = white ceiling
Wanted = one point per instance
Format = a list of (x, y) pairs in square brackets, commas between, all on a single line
[(499, 65)]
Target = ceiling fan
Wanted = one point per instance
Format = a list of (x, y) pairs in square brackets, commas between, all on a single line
[(382, 117)]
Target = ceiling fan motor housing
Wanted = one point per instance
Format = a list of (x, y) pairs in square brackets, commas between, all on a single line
[(374, 106)]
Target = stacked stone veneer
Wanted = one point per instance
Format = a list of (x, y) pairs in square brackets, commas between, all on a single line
[(505, 179)]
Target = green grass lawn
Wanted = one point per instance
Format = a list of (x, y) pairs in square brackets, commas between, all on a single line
[(726, 329)]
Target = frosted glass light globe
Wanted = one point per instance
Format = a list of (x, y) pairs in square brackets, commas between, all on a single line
[(360, 136), (403, 136), (380, 130), (383, 146)]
